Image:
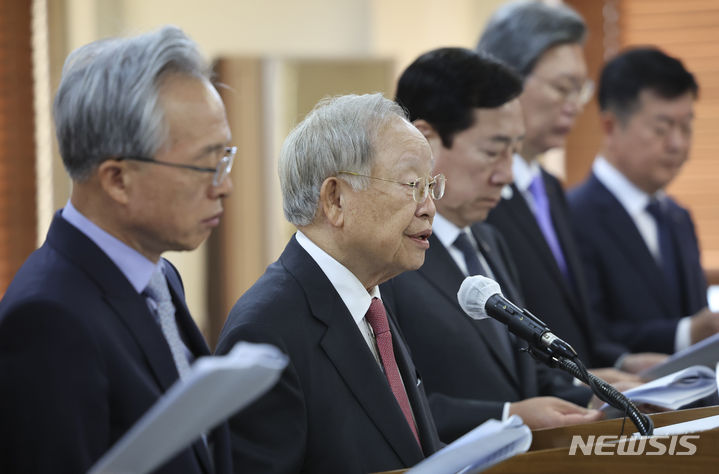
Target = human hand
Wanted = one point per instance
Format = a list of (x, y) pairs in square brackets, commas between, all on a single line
[(636, 363), (551, 412), (703, 324), (614, 376)]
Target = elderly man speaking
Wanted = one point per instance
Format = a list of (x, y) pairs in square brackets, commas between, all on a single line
[(356, 183)]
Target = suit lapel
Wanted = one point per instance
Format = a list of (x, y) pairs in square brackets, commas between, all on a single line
[(126, 303), (527, 223), (440, 270), (346, 348), (626, 235)]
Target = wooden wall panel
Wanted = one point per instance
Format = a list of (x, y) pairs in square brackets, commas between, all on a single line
[(17, 146)]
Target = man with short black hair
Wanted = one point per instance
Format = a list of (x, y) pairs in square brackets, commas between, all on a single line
[(466, 106), (639, 246)]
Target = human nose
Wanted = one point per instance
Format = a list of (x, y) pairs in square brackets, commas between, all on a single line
[(223, 189), (678, 139), (503, 172), (426, 208)]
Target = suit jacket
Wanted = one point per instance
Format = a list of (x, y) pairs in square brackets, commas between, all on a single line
[(627, 288), (562, 304), (332, 410), (82, 358), (465, 370)]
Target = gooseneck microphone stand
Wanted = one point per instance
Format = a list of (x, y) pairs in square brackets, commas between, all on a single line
[(601, 389)]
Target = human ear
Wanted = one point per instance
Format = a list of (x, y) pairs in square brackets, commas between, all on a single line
[(331, 200), (114, 179)]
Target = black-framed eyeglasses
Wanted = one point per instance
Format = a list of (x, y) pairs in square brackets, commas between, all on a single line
[(220, 172), (421, 187)]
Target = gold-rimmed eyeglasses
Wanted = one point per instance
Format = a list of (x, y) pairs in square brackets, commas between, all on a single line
[(220, 172), (421, 187)]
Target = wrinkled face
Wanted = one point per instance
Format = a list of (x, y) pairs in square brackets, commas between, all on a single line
[(551, 98), (173, 208), (479, 163), (653, 144), (386, 231)]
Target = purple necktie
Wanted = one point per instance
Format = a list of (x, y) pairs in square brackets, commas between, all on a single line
[(544, 219), (377, 318)]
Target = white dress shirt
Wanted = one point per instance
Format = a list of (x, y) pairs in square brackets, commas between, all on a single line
[(353, 294), (635, 201)]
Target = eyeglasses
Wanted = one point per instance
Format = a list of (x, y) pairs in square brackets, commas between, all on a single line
[(579, 94), (223, 168), (421, 187)]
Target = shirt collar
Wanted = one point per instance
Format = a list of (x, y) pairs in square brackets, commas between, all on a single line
[(524, 172), (137, 268), (353, 294), (445, 230), (633, 199)]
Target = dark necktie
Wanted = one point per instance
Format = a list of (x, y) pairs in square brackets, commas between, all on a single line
[(475, 267), (377, 319), (544, 218), (667, 253)]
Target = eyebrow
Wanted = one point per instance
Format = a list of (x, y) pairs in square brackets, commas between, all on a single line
[(505, 139), (210, 149), (671, 120)]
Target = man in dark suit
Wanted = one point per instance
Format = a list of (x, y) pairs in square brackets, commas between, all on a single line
[(94, 327), (355, 177), (544, 44), (639, 247), (465, 105)]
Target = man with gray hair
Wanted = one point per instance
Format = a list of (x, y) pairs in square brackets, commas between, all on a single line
[(356, 183), (94, 327), (544, 44)]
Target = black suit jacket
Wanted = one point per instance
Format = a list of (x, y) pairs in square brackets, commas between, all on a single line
[(466, 374), (82, 358), (562, 304), (332, 410), (627, 288)]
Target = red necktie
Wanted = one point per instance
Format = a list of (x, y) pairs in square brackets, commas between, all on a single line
[(377, 318)]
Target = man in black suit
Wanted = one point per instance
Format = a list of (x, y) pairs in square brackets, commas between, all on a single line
[(466, 106), (639, 246), (355, 177), (94, 327), (543, 44)]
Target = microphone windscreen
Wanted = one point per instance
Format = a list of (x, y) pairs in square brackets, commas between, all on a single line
[(474, 293)]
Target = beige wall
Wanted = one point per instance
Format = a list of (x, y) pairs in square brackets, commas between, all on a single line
[(398, 30)]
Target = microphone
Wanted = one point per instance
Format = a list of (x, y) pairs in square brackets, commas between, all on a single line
[(481, 297)]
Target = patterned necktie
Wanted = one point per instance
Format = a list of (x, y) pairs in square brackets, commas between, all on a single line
[(377, 319), (158, 290), (667, 253), (475, 267), (544, 219)]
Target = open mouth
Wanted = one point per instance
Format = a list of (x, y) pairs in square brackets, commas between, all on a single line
[(424, 235)]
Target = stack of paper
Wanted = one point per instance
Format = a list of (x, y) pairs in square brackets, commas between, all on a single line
[(675, 390), (705, 352), (216, 388), (486, 445)]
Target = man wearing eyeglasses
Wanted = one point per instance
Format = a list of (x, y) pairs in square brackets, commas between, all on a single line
[(543, 43), (466, 106), (356, 182), (639, 246), (94, 328)]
